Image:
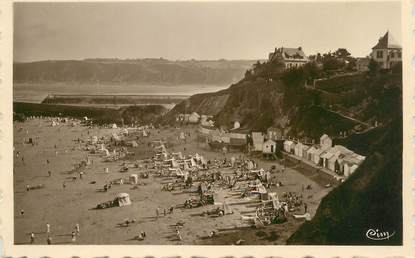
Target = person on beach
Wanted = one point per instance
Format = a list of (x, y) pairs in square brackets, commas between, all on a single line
[(73, 236), (63, 185), (22, 212), (49, 173), (49, 240), (47, 228), (179, 236), (32, 238), (77, 230)]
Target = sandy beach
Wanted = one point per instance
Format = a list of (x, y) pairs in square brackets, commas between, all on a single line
[(63, 207)]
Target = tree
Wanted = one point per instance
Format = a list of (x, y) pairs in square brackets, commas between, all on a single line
[(374, 67), (341, 53), (248, 74)]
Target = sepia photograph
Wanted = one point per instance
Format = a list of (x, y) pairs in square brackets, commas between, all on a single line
[(207, 123)]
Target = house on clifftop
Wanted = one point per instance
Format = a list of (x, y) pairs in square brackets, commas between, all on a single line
[(387, 52), (290, 57)]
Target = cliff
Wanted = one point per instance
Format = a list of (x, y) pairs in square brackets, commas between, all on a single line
[(268, 96)]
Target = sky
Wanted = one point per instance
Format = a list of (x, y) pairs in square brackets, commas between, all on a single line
[(190, 30)]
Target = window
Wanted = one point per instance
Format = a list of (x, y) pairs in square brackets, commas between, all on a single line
[(399, 55), (379, 54), (393, 55)]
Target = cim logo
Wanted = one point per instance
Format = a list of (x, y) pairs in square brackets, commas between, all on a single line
[(376, 234)]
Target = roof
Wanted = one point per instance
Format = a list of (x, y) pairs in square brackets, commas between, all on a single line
[(387, 42), (290, 54), (341, 149), (354, 158), (288, 142), (319, 152), (241, 130), (312, 149), (305, 147), (293, 53), (327, 155)]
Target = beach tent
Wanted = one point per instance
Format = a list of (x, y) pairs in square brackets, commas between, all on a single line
[(116, 137), (124, 131), (226, 208), (114, 126), (94, 139), (275, 201), (177, 155), (203, 160), (193, 162), (174, 163), (233, 161), (185, 165), (134, 179), (123, 199)]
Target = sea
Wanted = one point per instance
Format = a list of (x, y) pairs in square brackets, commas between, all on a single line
[(36, 92)]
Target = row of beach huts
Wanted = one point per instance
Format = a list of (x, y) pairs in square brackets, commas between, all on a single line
[(335, 158)]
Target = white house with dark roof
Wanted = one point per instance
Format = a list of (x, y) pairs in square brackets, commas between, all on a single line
[(290, 57), (387, 52)]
